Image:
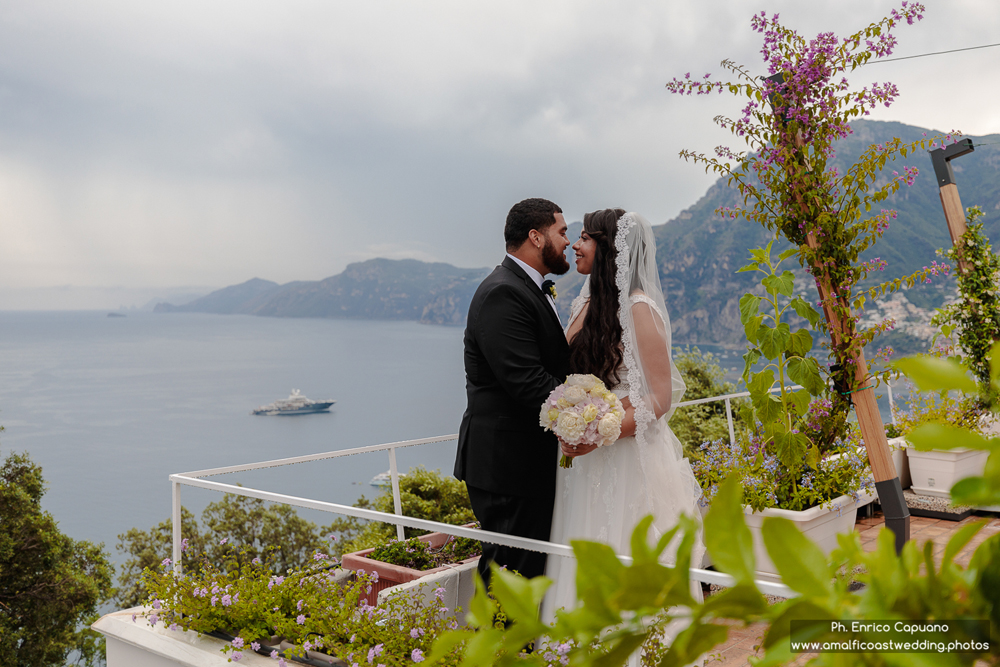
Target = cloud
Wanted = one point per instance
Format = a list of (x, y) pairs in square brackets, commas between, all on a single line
[(183, 143)]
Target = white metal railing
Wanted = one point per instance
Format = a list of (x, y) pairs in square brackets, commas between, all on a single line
[(196, 479)]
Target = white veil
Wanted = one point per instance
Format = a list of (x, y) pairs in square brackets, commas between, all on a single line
[(669, 485), (607, 491)]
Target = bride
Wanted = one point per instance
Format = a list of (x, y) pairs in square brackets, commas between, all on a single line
[(619, 330)]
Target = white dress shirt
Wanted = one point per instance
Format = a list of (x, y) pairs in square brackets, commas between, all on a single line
[(538, 278)]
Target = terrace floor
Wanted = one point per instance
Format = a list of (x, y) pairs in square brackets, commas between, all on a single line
[(743, 641)]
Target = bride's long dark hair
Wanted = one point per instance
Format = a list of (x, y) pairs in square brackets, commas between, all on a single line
[(597, 347)]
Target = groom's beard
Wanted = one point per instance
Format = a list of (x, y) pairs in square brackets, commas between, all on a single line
[(554, 260)]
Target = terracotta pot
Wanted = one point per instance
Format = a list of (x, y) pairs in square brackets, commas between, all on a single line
[(393, 575)]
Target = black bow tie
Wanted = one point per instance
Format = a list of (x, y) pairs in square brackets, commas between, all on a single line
[(549, 287)]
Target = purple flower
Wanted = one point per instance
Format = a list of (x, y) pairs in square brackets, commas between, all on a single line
[(184, 544), (223, 541), (166, 562), (237, 657), (300, 619), (274, 655), (226, 601), (298, 605), (238, 642), (417, 655)]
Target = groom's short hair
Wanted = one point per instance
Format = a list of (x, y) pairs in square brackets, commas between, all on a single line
[(527, 215)]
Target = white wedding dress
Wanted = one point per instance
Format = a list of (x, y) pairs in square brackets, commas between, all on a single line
[(606, 492)]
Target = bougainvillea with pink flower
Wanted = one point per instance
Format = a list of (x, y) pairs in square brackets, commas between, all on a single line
[(794, 110)]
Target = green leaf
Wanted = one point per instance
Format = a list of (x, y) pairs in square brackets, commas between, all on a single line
[(783, 284), (800, 400), (805, 310), (621, 651), (761, 383), (797, 609), (791, 449), (483, 647), (995, 361), (933, 435), (769, 408), (751, 328), (640, 547), (727, 537), (802, 565), (598, 573), (774, 341), (800, 343), (517, 597), (959, 540), (481, 608), (805, 372), (740, 601), (445, 643), (753, 266), (976, 491), (749, 307), (695, 641), (936, 374), (787, 253), (749, 359)]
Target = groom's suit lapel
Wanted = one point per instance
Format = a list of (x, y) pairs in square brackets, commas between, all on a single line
[(530, 284)]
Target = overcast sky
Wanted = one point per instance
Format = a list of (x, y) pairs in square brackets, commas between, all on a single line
[(153, 145)]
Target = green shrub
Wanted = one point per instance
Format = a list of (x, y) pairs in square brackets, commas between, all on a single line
[(423, 494), (697, 424)]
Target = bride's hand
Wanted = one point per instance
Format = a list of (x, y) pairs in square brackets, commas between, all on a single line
[(573, 451)]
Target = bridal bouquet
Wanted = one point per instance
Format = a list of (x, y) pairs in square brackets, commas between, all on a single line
[(582, 411)]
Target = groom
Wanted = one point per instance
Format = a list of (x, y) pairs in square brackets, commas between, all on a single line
[(515, 355)]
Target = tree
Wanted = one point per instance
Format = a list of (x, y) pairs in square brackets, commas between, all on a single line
[(703, 378), (423, 494), (255, 528), (50, 584)]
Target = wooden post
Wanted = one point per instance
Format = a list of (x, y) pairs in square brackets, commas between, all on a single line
[(954, 214), (890, 491), (887, 484)]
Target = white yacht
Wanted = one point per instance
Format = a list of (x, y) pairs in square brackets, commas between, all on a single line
[(296, 404)]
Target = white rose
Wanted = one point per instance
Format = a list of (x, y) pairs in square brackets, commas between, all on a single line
[(570, 426), (574, 395), (590, 413), (585, 382), (609, 428)]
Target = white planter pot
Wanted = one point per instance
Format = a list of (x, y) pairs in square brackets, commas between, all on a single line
[(936, 471), (899, 458), (818, 524), (136, 644)]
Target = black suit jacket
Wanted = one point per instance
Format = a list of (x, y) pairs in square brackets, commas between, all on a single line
[(515, 355)]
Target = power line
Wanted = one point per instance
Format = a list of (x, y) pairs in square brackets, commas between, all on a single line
[(936, 53)]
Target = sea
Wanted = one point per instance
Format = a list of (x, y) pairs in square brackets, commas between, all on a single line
[(111, 406)]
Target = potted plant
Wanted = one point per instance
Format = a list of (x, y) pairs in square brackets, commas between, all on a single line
[(934, 471), (402, 561), (308, 614), (822, 500)]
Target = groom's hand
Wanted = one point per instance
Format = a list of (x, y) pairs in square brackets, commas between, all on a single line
[(573, 451)]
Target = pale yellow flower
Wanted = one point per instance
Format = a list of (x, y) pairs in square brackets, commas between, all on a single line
[(589, 413), (570, 426), (574, 394), (609, 428)]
